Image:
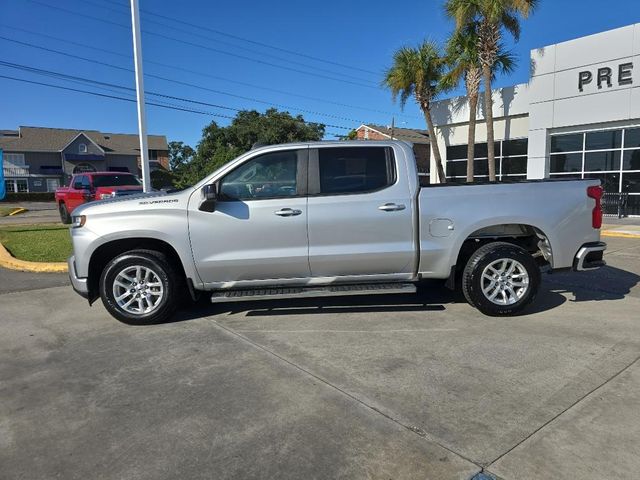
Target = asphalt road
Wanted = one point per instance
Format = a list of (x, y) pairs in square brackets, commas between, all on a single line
[(416, 386)]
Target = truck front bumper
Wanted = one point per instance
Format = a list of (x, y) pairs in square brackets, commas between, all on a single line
[(590, 256), (80, 285)]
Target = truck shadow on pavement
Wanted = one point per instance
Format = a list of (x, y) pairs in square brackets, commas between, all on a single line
[(607, 283)]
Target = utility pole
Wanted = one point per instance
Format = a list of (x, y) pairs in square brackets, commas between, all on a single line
[(142, 121), (393, 123)]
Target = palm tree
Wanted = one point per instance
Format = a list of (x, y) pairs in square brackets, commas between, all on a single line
[(417, 72), (492, 17), (464, 63)]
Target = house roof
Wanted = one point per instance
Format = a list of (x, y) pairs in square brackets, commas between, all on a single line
[(412, 135), (40, 139)]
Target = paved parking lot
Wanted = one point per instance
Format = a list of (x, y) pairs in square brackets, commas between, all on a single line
[(383, 387)]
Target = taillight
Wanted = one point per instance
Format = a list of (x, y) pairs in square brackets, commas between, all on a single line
[(595, 192)]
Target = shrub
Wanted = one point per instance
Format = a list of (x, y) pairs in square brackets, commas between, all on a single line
[(29, 197)]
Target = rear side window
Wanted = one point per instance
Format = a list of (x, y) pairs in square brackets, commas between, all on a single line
[(115, 180), (355, 169)]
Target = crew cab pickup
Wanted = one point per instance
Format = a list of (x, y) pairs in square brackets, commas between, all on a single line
[(86, 187), (331, 218)]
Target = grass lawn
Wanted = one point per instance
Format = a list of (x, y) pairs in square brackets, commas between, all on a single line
[(37, 243)]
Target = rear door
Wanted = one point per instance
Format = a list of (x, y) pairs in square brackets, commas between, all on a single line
[(360, 213)]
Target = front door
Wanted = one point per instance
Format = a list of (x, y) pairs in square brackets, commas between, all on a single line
[(360, 214), (258, 230)]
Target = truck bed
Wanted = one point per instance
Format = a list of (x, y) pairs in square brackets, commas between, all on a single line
[(451, 213)]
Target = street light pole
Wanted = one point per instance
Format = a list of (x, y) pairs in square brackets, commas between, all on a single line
[(142, 121)]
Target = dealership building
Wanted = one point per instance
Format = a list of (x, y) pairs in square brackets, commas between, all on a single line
[(577, 117)]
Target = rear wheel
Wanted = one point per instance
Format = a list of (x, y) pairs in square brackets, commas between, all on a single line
[(500, 279), (139, 287), (65, 217)]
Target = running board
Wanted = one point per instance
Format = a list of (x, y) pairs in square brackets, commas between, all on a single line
[(246, 295)]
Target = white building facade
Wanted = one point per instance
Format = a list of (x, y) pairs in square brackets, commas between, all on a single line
[(578, 117)]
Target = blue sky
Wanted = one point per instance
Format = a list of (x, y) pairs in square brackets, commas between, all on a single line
[(362, 35)]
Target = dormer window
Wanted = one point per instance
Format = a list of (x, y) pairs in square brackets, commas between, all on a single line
[(82, 148)]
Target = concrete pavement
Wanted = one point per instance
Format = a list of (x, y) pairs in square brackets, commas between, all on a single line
[(38, 212), (384, 387)]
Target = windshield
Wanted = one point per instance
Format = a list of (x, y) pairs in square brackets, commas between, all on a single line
[(115, 180)]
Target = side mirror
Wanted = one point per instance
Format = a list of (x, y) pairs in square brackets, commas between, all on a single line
[(209, 198)]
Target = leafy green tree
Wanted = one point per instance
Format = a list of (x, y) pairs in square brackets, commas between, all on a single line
[(463, 59), (219, 145), (162, 178), (180, 155), (417, 72), (493, 17)]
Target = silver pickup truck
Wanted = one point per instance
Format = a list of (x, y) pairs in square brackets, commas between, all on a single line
[(331, 218)]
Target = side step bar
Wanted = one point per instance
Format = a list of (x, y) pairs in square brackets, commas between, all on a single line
[(246, 295)]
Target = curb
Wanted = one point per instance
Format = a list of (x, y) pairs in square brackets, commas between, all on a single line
[(7, 261), (620, 234), (17, 211)]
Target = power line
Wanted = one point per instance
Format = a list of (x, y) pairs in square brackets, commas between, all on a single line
[(210, 38), (255, 42), (206, 47), (64, 76), (179, 82), (132, 100), (204, 74), (115, 97)]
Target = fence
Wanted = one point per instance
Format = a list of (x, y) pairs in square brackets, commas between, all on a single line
[(615, 204)]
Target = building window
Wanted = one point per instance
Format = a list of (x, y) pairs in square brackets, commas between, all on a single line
[(511, 160), (612, 156), (16, 185), (52, 184), (82, 148), (13, 159), (84, 167)]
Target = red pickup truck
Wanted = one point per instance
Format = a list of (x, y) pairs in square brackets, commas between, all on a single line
[(85, 187)]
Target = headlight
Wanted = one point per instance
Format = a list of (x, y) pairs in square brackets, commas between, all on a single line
[(104, 196), (78, 221)]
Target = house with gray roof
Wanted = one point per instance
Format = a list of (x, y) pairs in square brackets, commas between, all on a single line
[(38, 159)]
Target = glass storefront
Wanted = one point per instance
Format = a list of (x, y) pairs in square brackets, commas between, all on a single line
[(511, 161), (611, 155)]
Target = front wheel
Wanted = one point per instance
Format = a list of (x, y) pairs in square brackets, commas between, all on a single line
[(139, 287), (65, 217), (500, 279)]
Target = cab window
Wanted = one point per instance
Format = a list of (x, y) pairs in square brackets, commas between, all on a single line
[(272, 175), (348, 170)]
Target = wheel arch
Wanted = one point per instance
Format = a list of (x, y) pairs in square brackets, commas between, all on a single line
[(532, 238), (106, 252)]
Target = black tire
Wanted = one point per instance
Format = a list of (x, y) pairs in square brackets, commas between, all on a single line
[(65, 217), (472, 279), (161, 267)]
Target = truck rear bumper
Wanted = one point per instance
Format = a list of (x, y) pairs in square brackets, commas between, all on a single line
[(590, 256), (80, 285)]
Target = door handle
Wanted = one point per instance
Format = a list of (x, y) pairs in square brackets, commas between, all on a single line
[(287, 212), (391, 207)]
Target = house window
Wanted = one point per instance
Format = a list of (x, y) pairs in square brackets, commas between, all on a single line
[(52, 184), (84, 167), (82, 148), (16, 185), (14, 159)]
